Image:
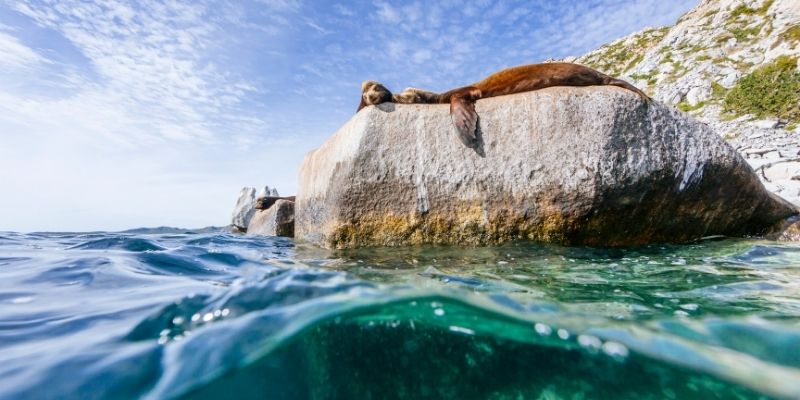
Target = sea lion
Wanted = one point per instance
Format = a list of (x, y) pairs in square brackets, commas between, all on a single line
[(519, 79), (265, 202)]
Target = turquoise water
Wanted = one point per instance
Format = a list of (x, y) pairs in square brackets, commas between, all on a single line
[(177, 314)]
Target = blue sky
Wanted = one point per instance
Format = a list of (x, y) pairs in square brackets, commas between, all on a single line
[(118, 114)]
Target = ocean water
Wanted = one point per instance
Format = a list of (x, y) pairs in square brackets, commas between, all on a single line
[(206, 315)]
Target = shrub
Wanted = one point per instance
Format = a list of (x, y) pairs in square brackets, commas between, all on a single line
[(742, 10), (744, 33), (718, 91), (792, 34), (686, 107), (771, 90)]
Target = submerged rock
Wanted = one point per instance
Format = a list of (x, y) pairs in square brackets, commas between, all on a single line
[(591, 166), (277, 220), (245, 208)]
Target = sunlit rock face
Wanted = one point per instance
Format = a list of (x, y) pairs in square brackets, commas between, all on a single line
[(591, 166), (695, 62), (277, 220), (245, 208)]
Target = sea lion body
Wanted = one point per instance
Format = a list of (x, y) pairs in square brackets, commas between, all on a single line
[(513, 80), (265, 202)]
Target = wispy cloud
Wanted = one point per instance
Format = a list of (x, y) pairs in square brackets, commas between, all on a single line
[(16, 55), (156, 80), (443, 44)]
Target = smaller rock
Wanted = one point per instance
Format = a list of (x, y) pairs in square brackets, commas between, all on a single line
[(277, 220), (758, 152), (266, 191), (789, 152), (766, 124), (728, 81), (772, 155), (783, 171), (244, 209), (698, 94), (788, 232)]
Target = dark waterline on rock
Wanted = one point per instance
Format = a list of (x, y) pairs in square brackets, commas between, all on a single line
[(210, 315)]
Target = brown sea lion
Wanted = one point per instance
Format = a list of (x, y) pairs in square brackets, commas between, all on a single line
[(265, 202), (508, 81)]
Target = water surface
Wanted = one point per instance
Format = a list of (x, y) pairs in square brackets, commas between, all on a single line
[(181, 314)]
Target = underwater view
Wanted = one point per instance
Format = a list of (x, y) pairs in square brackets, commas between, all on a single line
[(207, 314)]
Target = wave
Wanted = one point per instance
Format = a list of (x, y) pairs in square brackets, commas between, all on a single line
[(217, 315)]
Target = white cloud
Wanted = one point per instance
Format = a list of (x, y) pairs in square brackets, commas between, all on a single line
[(420, 56), (388, 13), (343, 10), (14, 54), (153, 67)]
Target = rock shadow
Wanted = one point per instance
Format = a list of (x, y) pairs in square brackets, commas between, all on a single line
[(478, 144), (386, 107)]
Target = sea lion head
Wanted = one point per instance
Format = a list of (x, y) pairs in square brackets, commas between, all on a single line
[(373, 93)]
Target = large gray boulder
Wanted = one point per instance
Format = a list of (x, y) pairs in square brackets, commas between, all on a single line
[(244, 209), (277, 220), (591, 166)]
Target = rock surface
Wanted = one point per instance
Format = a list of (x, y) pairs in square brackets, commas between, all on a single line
[(278, 220), (267, 192), (245, 208), (713, 45), (568, 165)]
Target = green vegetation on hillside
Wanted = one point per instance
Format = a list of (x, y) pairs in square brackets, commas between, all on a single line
[(686, 107), (742, 34), (772, 90), (718, 91), (792, 34), (617, 58), (745, 10)]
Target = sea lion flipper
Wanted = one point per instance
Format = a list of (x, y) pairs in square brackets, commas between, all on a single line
[(626, 85), (463, 115), (465, 119)]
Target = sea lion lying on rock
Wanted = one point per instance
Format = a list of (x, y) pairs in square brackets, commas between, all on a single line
[(265, 202), (508, 81)]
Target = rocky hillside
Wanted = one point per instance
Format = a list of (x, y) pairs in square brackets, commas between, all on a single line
[(732, 64)]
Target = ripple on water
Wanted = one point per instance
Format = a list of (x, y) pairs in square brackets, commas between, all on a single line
[(194, 314), (120, 243), (72, 271)]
